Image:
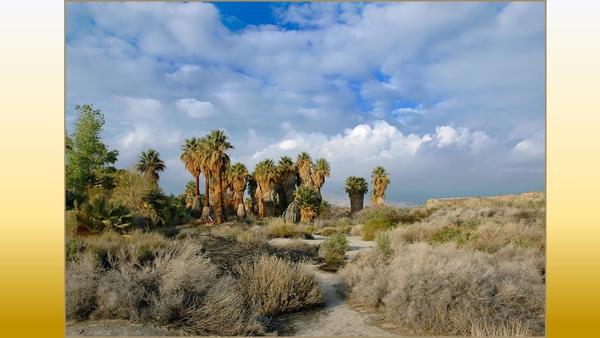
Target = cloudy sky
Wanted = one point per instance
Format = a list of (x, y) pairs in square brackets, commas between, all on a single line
[(449, 98)]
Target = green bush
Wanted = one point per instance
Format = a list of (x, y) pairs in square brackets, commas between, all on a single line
[(459, 235), (334, 249), (383, 244), (373, 226)]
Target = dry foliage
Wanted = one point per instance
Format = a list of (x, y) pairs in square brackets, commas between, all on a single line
[(190, 285), (272, 285)]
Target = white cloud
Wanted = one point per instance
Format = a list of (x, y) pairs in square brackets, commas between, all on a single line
[(365, 142), (531, 148), (196, 109), (326, 85)]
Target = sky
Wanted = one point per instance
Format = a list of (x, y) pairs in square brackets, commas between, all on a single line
[(448, 97)]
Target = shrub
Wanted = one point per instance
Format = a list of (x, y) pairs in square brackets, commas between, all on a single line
[(333, 249), (383, 244), (81, 287), (272, 285), (278, 229), (178, 288), (451, 234), (373, 226), (444, 290)]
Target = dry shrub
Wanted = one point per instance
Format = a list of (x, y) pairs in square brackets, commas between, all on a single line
[(277, 228), (81, 287), (367, 278), (178, 288), (272, 285), (444, 290), (509, 329), (221, 313)]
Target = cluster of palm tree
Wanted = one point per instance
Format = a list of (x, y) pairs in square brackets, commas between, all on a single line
[(356, 188), (272, 187), (208, 155)]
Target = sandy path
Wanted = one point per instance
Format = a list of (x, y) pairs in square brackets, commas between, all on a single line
[(337, 318)]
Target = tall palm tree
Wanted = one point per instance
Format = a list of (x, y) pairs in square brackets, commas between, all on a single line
[(304, 166), (356, 187), (217, 159), (192, 165), (252, 187), (380, 179), (266, 176), (237, 175), (149, 164), (287, 179), (320, 170), (200, 155)]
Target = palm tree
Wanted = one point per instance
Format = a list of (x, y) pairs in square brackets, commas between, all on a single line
[(217, 160), (287, 180), (200, 155), (320, 170), (304, 165), (190, 160), (190, 194), (237, 176), (252, 187), (307, 200), (149, 164), (379, 181), (266, 176), (356, 187)]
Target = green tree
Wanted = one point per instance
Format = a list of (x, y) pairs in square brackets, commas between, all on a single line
[(87, 157)]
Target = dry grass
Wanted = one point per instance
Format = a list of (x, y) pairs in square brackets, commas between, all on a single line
[(445, 290), (186, 285), (475, 270), (272, 285)]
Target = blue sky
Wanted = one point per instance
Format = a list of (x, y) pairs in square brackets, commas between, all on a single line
[(449, 97)]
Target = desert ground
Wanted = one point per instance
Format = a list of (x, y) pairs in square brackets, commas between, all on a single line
[(471, 266)]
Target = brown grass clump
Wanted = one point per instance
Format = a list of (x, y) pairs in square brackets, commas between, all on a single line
[(272, 285)]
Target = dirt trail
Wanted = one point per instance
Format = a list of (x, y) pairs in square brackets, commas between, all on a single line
[(337, 318)]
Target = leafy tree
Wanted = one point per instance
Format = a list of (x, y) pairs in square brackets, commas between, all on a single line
[(87, 157)]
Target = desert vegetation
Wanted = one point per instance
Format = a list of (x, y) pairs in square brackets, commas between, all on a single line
[(455, 270), (236, 257)]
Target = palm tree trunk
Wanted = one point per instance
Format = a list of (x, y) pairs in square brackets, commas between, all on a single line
[(206, 209), (356, 202), (219, 198)]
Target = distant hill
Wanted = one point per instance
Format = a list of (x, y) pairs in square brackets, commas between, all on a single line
[(528, 198)]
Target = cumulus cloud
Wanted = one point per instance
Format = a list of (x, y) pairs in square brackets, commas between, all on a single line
[(196, 109), (409, 85)]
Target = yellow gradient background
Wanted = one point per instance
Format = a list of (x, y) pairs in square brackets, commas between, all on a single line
[(31, 170)]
